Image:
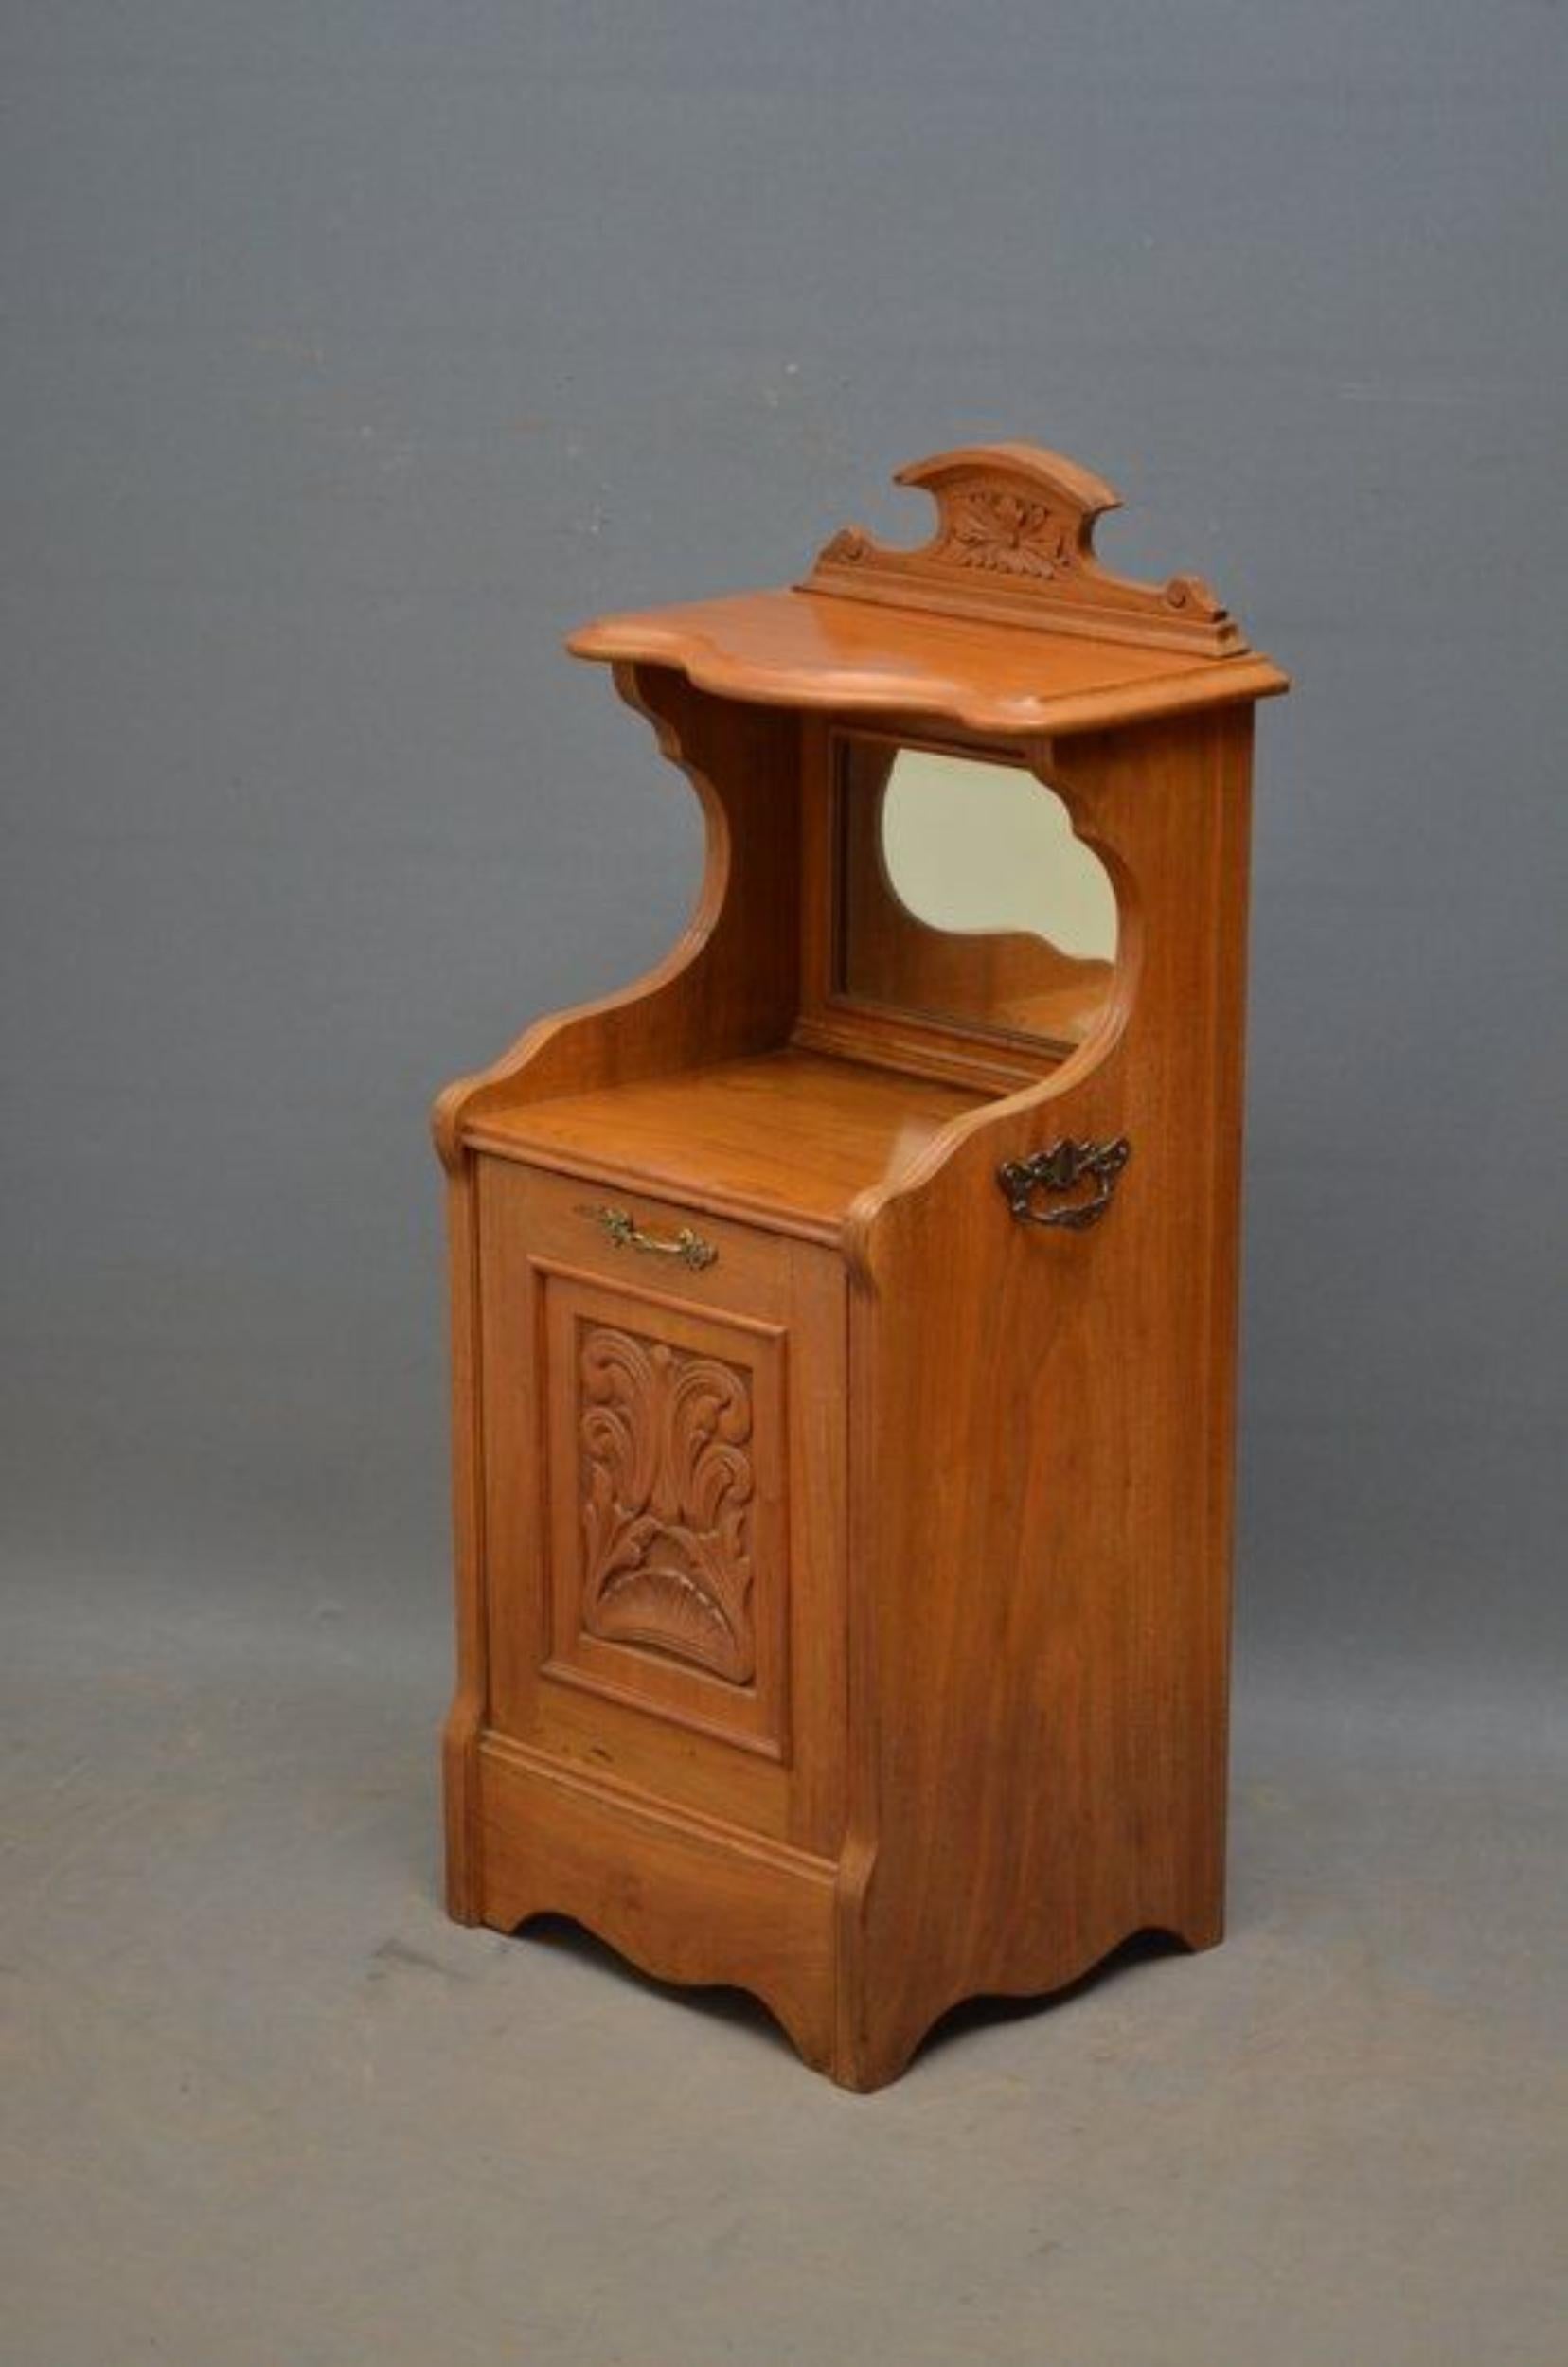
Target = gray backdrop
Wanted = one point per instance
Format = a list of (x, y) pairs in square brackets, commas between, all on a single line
[(357, 351)]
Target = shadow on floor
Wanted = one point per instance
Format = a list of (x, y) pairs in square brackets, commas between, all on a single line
[(735, 2007), (741, 2010), (981, 2013)]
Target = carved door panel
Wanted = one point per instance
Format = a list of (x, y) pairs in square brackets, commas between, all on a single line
[(667, 1517), (664, 1457)]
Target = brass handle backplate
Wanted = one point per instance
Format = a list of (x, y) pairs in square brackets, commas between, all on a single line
[(1059, 1170), (626, 1233)]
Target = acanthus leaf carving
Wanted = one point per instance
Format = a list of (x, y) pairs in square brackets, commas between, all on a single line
[(992, 528), (667, 1487)]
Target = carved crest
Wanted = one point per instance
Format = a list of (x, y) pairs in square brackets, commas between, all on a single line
[(1014, 544), (667, 1490)]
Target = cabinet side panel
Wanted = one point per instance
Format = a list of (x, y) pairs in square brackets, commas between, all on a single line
[(1041, 1444)]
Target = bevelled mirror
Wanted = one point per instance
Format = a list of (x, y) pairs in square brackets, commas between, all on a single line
[(964, 900)]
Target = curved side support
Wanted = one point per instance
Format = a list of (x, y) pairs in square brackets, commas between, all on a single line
[(729, 985)]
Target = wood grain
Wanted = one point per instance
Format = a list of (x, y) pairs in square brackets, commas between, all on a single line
[(1072, 1561), (1014, 544), (769, 1751), (731, 984), (807, 652), (1004, 982), (790, 1137), (918, 1689), (688, 1898)]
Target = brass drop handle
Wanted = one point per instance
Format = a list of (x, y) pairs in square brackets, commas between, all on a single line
[(1059, 1170), (626, 1233)]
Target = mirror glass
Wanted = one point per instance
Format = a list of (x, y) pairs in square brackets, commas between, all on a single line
[(964, 896)]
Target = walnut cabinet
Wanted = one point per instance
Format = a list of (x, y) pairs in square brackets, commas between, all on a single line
[(844, 1316)]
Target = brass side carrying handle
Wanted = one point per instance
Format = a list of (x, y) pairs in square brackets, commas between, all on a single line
[(626, 1233), (1059, 1169)]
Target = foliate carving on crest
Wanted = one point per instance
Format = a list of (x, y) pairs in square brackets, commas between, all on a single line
[(1014, 544), (992, 528), (667, 1486)]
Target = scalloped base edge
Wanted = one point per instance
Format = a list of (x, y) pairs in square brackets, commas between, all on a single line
[(687, 1899), (886, 2054), (691, 1901)]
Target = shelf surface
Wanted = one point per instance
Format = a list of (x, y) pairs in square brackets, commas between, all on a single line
[(789, 1134), (813, 650)]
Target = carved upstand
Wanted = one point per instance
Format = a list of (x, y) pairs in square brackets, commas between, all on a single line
[(845, 1315)]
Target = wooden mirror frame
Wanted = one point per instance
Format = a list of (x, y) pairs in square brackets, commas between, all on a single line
[(923, 1041)]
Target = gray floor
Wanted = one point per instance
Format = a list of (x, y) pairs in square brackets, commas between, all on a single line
[(267, 2108)]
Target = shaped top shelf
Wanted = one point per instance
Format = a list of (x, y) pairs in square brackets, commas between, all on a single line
[(1004, 623)]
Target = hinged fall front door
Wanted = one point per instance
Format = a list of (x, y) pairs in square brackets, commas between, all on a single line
[(663, 1458)]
